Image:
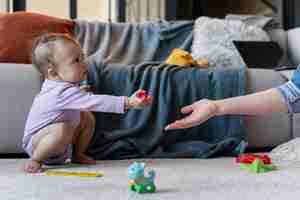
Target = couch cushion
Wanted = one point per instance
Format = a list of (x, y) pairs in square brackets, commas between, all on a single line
[(268, 130), (19, 83), (18, 31)]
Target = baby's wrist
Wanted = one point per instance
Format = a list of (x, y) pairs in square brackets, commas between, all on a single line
[(127, 103)]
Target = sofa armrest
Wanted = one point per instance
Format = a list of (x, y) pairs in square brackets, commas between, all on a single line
[(19, 83), (293, 45)]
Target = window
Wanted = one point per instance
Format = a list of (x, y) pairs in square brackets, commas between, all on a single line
[(103, 10), (57, 8), (144, 10), (4, 6), (92, 9)]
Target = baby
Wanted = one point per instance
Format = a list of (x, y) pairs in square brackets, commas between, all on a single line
[(59, 116)]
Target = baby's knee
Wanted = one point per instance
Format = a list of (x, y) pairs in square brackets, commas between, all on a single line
[(92, 120), (62, 140), (87, 120), (60, 148)]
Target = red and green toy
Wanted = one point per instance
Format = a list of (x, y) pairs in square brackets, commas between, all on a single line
[(255, 163), (142, 94), (249, 158)]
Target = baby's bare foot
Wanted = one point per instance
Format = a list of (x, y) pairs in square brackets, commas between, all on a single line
[(32, 166), (83, 159)]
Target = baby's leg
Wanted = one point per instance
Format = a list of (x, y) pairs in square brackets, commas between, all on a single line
[(82, 138), (50, 141)]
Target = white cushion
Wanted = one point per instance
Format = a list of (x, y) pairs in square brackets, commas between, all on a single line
[(213, 40)]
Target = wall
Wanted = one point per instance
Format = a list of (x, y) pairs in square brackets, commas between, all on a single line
[(297, 13), (221, 8), (90, 10)]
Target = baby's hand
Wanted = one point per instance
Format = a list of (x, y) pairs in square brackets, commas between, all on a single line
[(84, 86), (139, 100), (198, 113)]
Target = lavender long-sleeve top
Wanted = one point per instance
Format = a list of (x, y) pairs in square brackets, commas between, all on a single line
[(60, 101)]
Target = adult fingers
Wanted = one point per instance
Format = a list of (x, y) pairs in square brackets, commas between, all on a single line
[(187, 109), (186, 122)]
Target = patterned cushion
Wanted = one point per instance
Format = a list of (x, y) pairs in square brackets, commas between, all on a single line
[(213, 40)]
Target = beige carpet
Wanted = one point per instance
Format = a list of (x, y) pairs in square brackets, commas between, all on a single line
[(177, 180)]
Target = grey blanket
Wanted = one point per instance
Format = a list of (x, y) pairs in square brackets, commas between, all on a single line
[(132, 43), (140, 133)]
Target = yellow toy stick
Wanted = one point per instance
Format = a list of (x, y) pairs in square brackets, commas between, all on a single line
[(72, 173)]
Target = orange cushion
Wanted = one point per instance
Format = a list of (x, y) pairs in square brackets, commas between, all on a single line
[(19, 30)]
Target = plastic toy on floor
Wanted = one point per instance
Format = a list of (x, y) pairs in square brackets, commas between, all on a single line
[(255, 163), (249, 158), (183, 58), (258, 166), (73, 173), (138, 182)]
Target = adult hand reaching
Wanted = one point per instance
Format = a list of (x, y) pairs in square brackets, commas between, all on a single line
[(199, 112), (260, 103)]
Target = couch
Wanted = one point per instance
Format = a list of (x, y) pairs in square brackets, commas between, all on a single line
[(177, 179), (21, 82)]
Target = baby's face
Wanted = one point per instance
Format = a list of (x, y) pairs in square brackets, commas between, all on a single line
[(70, 62)]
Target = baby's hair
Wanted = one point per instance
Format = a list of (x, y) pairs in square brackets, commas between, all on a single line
[(42, 51)]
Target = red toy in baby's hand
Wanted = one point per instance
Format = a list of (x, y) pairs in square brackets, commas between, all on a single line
[(142, 94), (249, 158)]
